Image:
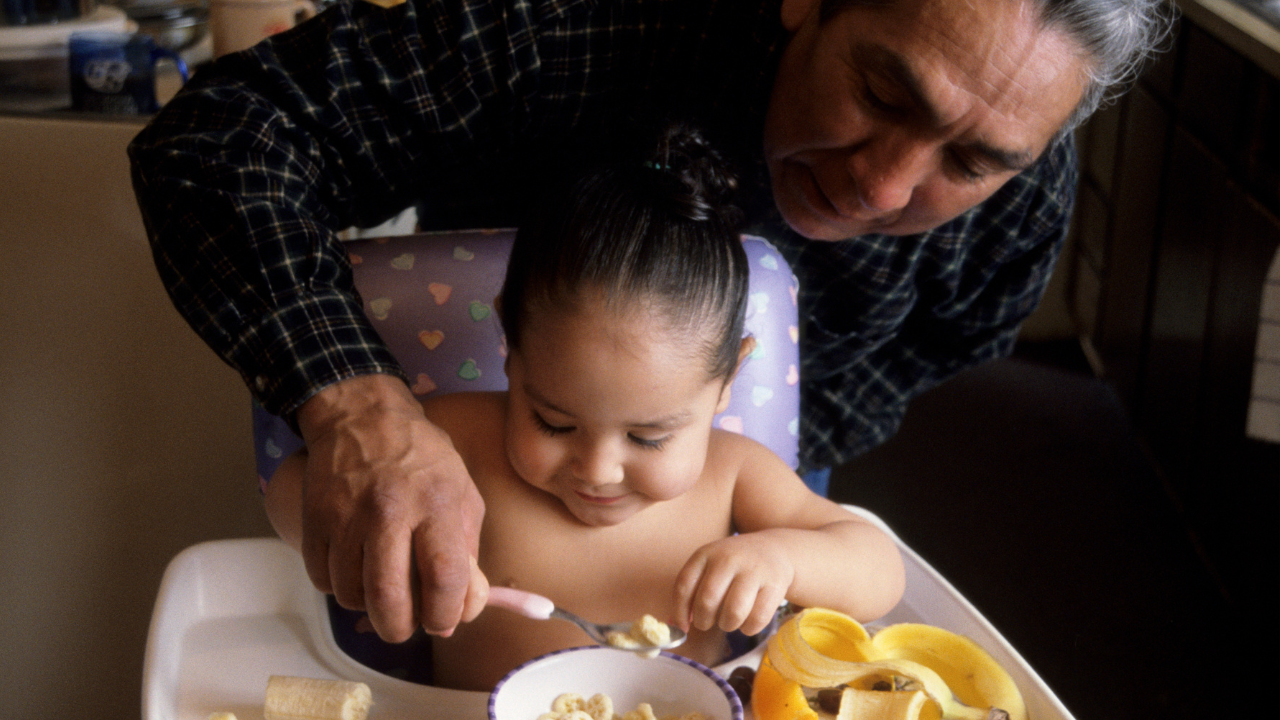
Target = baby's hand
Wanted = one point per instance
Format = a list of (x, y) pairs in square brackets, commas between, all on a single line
[(734, 584)]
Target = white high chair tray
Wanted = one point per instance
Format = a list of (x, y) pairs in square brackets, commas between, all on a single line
[(230, 613)]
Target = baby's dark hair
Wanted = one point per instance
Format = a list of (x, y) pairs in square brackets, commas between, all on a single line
[(655, 225)]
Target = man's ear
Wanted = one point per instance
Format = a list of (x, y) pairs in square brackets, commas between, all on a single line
[(794, 13), (744, 350), (497, 305)]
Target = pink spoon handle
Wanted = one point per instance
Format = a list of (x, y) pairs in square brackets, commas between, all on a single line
[(519, 601)]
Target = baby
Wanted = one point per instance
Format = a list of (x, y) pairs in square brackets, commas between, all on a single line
[(605, 485)]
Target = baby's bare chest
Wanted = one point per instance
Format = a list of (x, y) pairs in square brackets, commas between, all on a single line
[(611, 574)]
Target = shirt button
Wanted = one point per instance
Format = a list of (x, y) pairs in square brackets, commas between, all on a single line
[(260, 382)]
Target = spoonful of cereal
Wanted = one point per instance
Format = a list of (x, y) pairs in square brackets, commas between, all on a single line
[(645, 636)]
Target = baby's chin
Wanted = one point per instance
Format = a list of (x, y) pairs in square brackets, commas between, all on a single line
[(598, 514)]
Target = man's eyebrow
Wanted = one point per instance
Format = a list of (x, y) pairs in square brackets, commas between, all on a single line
[(883, 60), (898, 70), (1001, 159)]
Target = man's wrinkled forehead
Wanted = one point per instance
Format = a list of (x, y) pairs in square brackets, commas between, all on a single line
[(828, 9)]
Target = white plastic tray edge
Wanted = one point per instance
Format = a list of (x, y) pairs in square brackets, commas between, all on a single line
[(958, 615)]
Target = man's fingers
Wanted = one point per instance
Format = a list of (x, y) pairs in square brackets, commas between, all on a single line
[(388, 586), (346, 574), (315, 557), (444, 575)]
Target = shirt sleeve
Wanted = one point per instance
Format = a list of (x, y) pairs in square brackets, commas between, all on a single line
[(243, 178), (888, 318)]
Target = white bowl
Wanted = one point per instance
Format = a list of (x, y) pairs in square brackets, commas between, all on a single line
[(673, 685)]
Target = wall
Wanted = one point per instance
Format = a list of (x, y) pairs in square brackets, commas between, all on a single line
[(122, 438), (1178, 223)]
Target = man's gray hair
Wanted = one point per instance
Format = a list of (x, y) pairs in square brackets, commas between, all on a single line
[(1117, 36)]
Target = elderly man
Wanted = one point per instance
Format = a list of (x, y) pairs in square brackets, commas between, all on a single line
[(928, 138)]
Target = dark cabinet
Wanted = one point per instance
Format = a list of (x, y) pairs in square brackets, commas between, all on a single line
[(1174, 233)]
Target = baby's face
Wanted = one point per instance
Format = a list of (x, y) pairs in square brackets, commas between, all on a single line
[(610, 414)]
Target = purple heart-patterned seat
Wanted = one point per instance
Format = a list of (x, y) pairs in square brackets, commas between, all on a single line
[(430, 296)]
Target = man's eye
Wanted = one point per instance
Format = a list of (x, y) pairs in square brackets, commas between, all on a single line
[(878, 100), (549, 429), (965, 169), (875, 101), (650, 444)]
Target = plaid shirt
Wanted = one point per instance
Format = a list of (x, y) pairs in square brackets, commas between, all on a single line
[(456, 105)]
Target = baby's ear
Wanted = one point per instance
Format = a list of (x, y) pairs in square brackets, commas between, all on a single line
[(744, 351)]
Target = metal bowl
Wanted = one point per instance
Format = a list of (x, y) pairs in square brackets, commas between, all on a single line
[(175, 25)]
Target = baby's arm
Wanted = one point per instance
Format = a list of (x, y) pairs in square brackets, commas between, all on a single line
[(283, 499), (792, 545)]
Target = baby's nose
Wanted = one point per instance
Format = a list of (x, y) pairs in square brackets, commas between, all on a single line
[(598, 463)]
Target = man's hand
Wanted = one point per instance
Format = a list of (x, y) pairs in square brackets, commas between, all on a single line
[(391, 519)]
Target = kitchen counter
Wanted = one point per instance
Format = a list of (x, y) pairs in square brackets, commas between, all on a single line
[(1241, 28)]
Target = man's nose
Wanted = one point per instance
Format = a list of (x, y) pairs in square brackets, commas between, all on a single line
[(887, 169), (598, 462)]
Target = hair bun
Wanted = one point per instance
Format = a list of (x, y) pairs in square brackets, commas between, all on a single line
[(697, 180)]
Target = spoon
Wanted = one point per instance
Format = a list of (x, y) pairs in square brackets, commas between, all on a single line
[(541, 608)]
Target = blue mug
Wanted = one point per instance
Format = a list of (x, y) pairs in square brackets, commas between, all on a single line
[(115, 72)]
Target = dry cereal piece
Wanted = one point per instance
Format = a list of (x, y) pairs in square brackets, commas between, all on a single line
[(652, 630), (599, 707), (648, 631), (567, 703), (643, 711)]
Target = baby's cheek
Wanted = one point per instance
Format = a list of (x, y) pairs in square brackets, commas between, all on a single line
[(672, 478), (533, 456)]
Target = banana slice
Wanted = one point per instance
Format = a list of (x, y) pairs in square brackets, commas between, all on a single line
[(294, 698), (882, 704)]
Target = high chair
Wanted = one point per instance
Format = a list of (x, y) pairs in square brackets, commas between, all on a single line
[(232, 612)]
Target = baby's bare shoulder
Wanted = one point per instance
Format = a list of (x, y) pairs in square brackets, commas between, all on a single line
[(735, 447), (467, 415)]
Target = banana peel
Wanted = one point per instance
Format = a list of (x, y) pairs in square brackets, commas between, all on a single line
[(822, 648), (973, 676)]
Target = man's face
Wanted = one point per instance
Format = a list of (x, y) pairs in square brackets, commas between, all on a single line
[(896, 118)]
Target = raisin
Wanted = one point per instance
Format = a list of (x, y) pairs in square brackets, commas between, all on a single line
[(829, 699), (740, 680)]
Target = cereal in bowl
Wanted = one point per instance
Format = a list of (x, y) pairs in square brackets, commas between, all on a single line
[(572, 706)]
